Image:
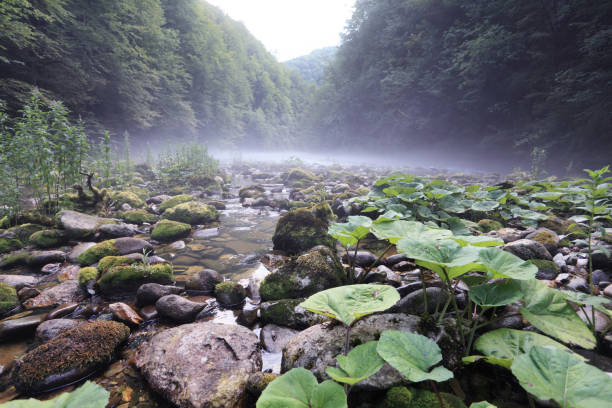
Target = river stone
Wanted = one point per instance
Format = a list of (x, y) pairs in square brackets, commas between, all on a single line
[(149, 293), (79, 225), (546, 237), (204, 281), (287, 313), (78, 250), (414, 303), (316, 348), (51, 268), (46, 257), (129, 245), (18, 281), (201, 365), (274, 338), (69, 356), (178, 308), (527, 249), (52, 328), (125, 314), (62, 310), (66, 292), (363, 258), (117, 230), (382, 274), (299, 230), (394, 259), (16, 328)]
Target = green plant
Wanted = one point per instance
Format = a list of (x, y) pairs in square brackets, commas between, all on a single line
[(359, 364), (351, 233), (89, 395), (538, 158)]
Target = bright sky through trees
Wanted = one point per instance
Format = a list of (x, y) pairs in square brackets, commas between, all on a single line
[(291, 28)]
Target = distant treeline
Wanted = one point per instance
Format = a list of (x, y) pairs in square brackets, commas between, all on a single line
[(172, 67), (312, 67), (494, 75)]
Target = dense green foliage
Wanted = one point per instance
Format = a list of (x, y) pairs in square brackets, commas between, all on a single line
[(312, 67), (179, 66), (504, 74)]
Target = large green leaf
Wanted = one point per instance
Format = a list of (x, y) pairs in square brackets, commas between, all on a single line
[(528, 214), (442, 256), (482, 404), (547, 310), (349, 303), (546, 195), (478, 241), (495, 294), (502, 346), (484, 206), (350, 232), (412, 355), (582, 299), (89, 395), (551, 373), (503, 264), (453, 204), (395, 230), (298, 388), (362, 362)]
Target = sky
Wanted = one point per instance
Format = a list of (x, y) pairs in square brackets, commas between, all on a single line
[(291, 28)]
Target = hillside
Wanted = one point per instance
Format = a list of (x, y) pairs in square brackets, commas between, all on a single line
[(312, 67)]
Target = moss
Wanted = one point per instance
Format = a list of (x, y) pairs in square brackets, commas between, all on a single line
[(230, 293), (554, 223), (402, 397), (95, 253), (87, 274), (192, 213), (138, 216), (361, 191), (300, 230), (87, 346), (166, 231), (128, 197), (8, 298), (545, 238), (323, 211), (281, 312), (487, 225), (24, 231), (14, 259), (137, 180), (124, 278), (176, 200), (29, 217), (577, 231), (48, 238), (109, 261), (252, 191), (258, 382), (299, 178), (546, 269), (298, 204), (9, 244), (278, 286)]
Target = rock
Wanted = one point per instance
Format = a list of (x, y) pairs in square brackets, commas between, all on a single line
[(601, 260), (601, 276), (364, 258), (404, 266), (304, 275), (274, 338), (546, 237), (18, 281), (9, 242), (138, 217), (128, 278), (46, 257), (206, 233), (204, 281), (62, 310), (52, 268), (8, 298), (608, 291), (299, 230), (414, 303), (113, 247), (287, 313), (158, 199), (78, 250), (167, 231), (149, 293), (487, 225), (176, 200), (559, 260), (26, 293), (48, 238), (317, 347), (547, 270), (127, 197), (527, 249), (19, 328), (125, 314), (578, 284), (149, 312), (130, 245), (117, 230), (78, 225), (52, 328), (66, 292), (230, 294), (384, 275), (211, 307), (507, 234), (258, 382), (177, 245), (178, 308), (201, 364), (252, 191), (125, 207), (192, 213), (248, 315), (394, 259), (69, 356)]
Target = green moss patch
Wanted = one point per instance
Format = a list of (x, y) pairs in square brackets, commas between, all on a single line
[(176, 200), (230, 293), (87, 274), (300, 230), (48, 238), (8, 298), (128, 197), (167, 230), (24, 231), (487, 225), (97, 252), (192, 213), (402, 397), (123, 278), (9, 244), (138, 217), (14, 259), (109, 261)]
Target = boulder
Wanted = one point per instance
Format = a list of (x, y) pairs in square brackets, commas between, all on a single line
[(384, 275), (137, 217), (204, 281), (128, 278), (113, 247), (38, 258), (230, 294), (527, 249), (201, 364), (299, 230), (69, 356), (287, 313), (364, 258), (48, 238), (8, 298), (79, 225), (274, 338), (304, 275), (178, 308), (78, 250), (173, 201), (546, 237), (414, 302), (117, 230), (192, 212), (167, 231), (66, 292), (53, 328), (19, 328), (149, 293), (317, 347), (18, 281)]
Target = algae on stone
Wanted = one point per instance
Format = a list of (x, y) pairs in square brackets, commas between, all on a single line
[(176, 200), (93, 254), (124, 278), (8, 298), (87, 274), (128, 197), (487, 225), (300, 230), (138, 216), (192, 212), (167, 230), (48, 238)]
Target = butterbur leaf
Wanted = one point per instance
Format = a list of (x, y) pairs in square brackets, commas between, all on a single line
[(412, 355), (350, 232), (547, 195), (551, 373), (495, 294), (547, 310), (482, 404), (361, 362), (89, 395), (478, 241), (298, 388), (349, 303), (503, 264), (395, 230), (484, 206)]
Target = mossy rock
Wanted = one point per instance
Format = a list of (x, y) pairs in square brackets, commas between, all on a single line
[(88, 274), (487, 225), (138, 216), (78, 351), (304, 275), (48, 238), (127, 278), (299, 178), (300, 230), (402, 397), (323, 211), (14, 259), (230, 293), (547, 270), (24, 231), (128, 197), (8, 244), (576, 231), (294, 205), (253, 191), (93, 254), (286, 312), (167, 231), (109, 261), (192, 212), (554, 223), (29, 217), (176, 200), (8, 298)]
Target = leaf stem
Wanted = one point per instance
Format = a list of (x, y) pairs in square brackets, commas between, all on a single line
[(433, 385)]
